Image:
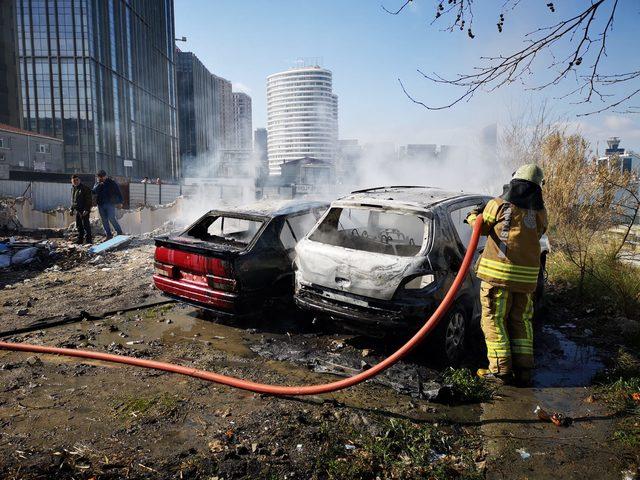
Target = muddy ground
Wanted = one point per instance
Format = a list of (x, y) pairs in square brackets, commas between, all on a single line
[(65, 418)]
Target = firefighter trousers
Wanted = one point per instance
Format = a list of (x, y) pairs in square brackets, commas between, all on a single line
[(507, 327)]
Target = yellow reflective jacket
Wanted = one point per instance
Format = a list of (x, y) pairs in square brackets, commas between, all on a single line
[(511, 257)]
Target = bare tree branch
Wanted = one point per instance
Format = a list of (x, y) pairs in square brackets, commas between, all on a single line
[(584, 34)]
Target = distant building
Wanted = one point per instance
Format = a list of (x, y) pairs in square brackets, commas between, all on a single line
[(242, 122), (623, 159), (302, 116), (418, 151), (24, 150), (260, 151), (196, 116), (223, 108), (9, 91), (488, 139), (349, 154), (307, 174), (100, 76), (445, 152)]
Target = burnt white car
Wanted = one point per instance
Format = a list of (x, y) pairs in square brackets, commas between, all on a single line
[(382, 260)]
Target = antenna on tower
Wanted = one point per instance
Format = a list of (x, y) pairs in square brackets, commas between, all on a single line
[(302, 62)]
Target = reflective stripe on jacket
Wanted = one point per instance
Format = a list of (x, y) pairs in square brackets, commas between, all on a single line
[(511, 257)]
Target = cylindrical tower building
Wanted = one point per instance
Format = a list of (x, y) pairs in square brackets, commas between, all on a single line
[(302, 116)]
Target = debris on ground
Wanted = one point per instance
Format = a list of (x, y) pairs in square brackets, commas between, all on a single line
[(111, 244), (523, 453), (557, 418)]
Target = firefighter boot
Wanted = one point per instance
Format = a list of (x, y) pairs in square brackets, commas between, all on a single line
[(495, 378)]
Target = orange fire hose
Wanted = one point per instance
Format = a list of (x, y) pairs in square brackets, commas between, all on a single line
[(278, 389)]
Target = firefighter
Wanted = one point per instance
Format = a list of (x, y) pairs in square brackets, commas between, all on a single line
[(508, 268)]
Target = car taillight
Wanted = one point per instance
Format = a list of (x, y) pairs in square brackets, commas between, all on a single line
[(221, 283), (165, 270), (218, 267)]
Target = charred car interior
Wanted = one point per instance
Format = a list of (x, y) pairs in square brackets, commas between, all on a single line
[(233, 261)]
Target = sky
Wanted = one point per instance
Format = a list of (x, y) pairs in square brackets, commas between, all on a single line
[(368, 50)]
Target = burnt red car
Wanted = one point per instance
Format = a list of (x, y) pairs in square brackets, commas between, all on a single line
[(232, 261)]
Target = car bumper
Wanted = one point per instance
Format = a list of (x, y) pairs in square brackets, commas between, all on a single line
[(363, 312), (229, 303)]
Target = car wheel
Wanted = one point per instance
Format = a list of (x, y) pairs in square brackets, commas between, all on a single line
[(451, 337)]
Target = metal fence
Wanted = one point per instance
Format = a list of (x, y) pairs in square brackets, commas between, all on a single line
[(44, 195), (152, 194)]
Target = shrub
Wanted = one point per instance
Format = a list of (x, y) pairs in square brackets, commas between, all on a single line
[(607, 282)]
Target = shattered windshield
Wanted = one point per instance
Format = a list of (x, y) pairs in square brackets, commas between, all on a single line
[(225, 229), (372, 230)]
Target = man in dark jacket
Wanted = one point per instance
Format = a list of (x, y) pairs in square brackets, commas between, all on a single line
[(81, 203), (108, 195)]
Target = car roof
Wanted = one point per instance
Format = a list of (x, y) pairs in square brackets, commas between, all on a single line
[(273, 208), (417, 197)]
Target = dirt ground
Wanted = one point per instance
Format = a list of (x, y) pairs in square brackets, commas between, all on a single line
[(65, 418)]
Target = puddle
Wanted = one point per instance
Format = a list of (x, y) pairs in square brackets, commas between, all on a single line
[(560, 362), (179, 326)]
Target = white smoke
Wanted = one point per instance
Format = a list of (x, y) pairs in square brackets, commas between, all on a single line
[(471, 166)]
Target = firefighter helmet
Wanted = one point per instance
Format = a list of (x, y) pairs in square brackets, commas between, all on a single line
[(530, 172)]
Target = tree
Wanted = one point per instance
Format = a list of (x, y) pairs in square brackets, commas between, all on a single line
[(575, 46), (585, 200)]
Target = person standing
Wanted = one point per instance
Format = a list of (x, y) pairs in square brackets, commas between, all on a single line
[(108, 195), (81, 203), (508, 268)]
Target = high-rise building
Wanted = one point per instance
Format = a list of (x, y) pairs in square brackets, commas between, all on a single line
[(242, 123), (302, 116), (100, 75), (196, 116), (260, 151), (9, 92), (223, 108)]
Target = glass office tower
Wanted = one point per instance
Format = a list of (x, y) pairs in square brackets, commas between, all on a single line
[(100, 75)]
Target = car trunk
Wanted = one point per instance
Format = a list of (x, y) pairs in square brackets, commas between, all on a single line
[(196, 271), (357, 272)]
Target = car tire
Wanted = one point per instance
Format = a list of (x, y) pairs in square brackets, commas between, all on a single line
[(451, 337)]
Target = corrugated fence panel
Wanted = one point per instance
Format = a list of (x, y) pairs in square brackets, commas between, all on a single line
[(152, 194), (44, 195), (51, 195), (13, 188)]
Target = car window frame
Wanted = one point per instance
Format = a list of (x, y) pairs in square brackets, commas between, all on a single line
[(459, 205), (427, 215)]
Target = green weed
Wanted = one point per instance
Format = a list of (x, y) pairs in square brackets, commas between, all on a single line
[(467, 387), (398, 449), (153, 406)]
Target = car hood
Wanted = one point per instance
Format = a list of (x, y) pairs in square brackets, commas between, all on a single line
[(369, 274)]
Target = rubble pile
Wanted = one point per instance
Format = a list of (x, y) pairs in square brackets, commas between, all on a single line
[(9, 214), (18, 253), (166, 228)]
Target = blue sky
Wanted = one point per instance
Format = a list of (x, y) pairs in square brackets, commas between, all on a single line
[(368, 50)]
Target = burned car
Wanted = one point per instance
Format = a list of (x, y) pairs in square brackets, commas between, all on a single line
[(232, 261), (382, 259)]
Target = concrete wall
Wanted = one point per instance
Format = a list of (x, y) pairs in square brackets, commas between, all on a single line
[(23, 151), (19, 213)]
